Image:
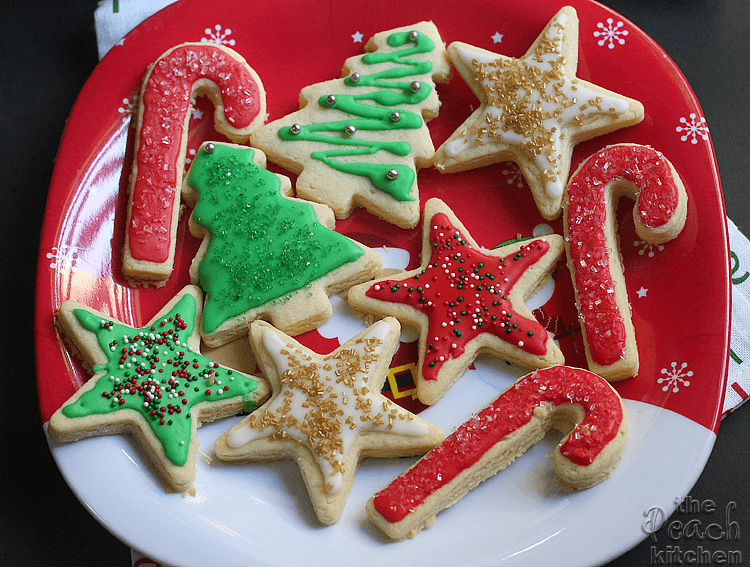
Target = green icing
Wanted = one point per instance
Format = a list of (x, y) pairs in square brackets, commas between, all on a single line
[(263, 246), (513, 241), (372, 111), (151, 370)]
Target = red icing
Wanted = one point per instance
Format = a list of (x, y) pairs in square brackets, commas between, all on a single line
[(166, 103), (586, 220), (508, 412), (464, 294)]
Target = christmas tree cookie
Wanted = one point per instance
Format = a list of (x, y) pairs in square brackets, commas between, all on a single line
[(532, 110), (466, 301), (327, 412), (359, 140), (151, 382), (264, 254)]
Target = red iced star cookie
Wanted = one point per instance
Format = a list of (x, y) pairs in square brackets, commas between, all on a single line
[(466, 301)]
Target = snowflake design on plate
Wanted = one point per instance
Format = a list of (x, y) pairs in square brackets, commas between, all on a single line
[(513, 174), (675, 377), (190, 155), (693, 129), (647, 248), (128, 108), (218, 35), (63, 256), (612, 33)]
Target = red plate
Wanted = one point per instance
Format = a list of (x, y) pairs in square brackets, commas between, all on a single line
[(679, 292)]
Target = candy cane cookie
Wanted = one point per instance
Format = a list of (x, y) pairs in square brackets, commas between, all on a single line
[(165, 105), (595, 263), (565, 398)]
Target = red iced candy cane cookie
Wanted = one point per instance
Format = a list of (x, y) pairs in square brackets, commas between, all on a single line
[(165, 106), (490, 440), (595, 263)]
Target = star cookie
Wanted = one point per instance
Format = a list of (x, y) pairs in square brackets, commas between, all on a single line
[(151, 382), (466, 301), (533, 111), (327, 412)]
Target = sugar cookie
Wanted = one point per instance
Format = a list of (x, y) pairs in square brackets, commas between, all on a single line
[(264, 253), (358, 141), (465, 301), (165, 106), (151, 382), (570, 399), (326, 412), (594, 258), (533, 110)]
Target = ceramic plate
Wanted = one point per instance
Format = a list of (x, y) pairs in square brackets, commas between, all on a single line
[(249, 514)]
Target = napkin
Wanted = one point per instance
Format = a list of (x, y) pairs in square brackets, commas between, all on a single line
[(738, 379), (115, 18)]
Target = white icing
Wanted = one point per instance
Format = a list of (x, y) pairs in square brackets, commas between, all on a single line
[(403, 424), (570, 88)]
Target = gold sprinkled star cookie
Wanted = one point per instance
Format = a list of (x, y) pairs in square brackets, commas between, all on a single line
[(465, 301), (327, 412), (533, 111), (151, 382)]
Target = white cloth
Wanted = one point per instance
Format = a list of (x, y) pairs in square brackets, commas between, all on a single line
[(738, 380), (113, 19)]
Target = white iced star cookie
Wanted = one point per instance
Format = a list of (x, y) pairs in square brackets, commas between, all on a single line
[(327, 412), (533, 111)]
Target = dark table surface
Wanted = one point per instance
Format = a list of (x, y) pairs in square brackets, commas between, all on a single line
[(48, 51)]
